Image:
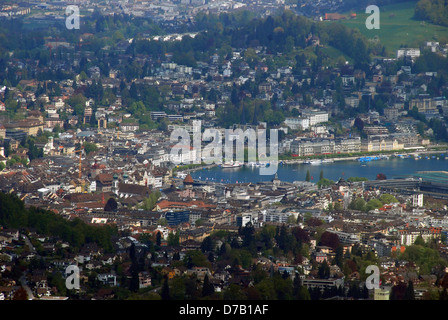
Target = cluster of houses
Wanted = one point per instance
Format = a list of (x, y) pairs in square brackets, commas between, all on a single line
[(195, 209), (132, 162)]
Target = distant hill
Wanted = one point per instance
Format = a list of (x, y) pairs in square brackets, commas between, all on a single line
[(358, 4), (398, 27), (435, 11)]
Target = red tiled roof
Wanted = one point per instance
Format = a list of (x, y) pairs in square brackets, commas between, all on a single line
[(164, 204), (188, 179), (104, 178)]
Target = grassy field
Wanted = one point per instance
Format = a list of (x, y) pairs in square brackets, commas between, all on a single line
[(335, 54), (398, 28)]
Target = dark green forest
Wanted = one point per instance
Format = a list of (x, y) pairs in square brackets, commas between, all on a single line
[(435, 11), (14, 214), (283, 33)]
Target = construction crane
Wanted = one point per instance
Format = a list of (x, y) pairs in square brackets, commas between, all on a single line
[(80, 158)]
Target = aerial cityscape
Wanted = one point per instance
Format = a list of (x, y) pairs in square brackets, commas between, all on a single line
[(223, 150)]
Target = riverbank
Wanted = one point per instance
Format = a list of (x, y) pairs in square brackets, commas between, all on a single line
[(355, 156), (403, 166), (189, 168), (193, 167)]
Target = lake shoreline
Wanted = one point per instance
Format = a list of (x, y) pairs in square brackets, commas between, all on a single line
[(395, 166), (367, 154), (331, 157)]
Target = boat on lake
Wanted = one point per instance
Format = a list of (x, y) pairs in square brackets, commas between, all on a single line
[(181, 175), (257, 164), (232, 164)]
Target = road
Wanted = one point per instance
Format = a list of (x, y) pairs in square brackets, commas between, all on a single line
[(29, 244), (26, 287), (22, 279)]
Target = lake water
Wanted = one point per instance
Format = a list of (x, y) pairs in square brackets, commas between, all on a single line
[(394, 167)]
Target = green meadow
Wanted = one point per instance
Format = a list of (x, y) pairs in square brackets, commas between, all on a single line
[(398, 28)]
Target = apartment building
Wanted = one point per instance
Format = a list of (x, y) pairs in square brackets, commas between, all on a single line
[(312, 147), (408, 53), (309, 147), (347, 145), (408, 236), (315, 116), (380, 144), (425, 103), (296, 123)]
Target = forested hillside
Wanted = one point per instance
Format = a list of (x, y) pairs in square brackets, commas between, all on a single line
[(435, 11), (14, 214), (282, 33)]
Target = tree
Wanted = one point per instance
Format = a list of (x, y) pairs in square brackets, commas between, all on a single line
[(195, 258), (135, 280), (387, 198), (308, 176), (285, 239), (424, 257), (398, 291), (358, 204), (159, 238), (324, 270), (409, 293), (266, 289), (207, 244), (373, 204), (329, 239), (207, 287), (315, 293), (89, 147), (432, 10), (248, 234), (339, 257), (33, 151), (234, 292), (338, 207), (211, 257), (150, 202), (324, 182), (313, 222), (162, 222), (78, 102), (354, 291), (173, 239), (301, 235), (419, 241), (20, 294), (381, 176), (444, 282), (165, 293), (300, 292), (266, 235), (359, 124), (443, 295)]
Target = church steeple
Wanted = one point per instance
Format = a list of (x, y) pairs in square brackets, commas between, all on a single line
[(115, 185), (276, 181)]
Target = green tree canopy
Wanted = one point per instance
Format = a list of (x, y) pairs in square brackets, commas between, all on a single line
[(89, 147), (387, 198)]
